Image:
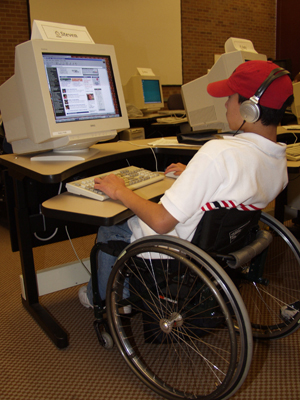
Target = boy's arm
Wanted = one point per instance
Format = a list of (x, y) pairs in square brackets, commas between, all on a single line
[(153, 214)]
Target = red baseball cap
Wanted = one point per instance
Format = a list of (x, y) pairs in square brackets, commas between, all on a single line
[(248, 77)]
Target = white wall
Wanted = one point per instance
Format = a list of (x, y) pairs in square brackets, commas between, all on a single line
[(145, 33)]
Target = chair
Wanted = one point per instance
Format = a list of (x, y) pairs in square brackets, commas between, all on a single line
[(196, 310), (175, 102)]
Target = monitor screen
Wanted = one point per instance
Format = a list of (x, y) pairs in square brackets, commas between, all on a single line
[(63, 96), (81, 87), (151, 90), (145, 93)]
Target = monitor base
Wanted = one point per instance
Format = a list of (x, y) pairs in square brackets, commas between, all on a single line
[(75, 155)]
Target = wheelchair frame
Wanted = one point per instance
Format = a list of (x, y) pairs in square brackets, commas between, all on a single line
[(193, 320)]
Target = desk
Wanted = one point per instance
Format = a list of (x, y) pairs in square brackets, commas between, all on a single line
[(32, 187), (154, 129)]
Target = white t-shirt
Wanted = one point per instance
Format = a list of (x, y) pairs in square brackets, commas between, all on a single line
[(245, 171)]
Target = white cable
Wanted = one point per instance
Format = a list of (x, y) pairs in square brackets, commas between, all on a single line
[(70, 240), (296, 137), (143, 145), (44, 223), (47, 238), (175, 116)]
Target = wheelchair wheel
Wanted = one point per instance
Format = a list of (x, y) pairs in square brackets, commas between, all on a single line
[(189, 335), (267, 293)]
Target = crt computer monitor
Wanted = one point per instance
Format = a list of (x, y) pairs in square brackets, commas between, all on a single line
[(145, 93), (204, 111), (296, 103), (63, 97)]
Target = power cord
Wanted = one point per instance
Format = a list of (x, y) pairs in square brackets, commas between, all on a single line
[(296, 137), (143, 145), (55, 232), (44, 223), (70, 240)]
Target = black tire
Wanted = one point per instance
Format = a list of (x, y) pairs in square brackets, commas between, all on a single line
[(279, 285), (189, 335)]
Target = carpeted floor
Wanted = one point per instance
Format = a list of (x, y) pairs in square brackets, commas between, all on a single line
[(32, 368)]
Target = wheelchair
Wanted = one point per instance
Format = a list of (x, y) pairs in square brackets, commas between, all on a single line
[(195, 307)]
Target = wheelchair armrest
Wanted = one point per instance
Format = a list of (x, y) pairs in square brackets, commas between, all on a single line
[(244, 255)]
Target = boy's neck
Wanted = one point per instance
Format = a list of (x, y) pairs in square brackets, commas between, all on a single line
[(269, 132)]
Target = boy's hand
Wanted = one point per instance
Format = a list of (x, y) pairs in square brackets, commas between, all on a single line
[(176, 168), (110, 184)]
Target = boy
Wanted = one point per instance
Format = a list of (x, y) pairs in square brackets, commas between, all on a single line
[(245, 171)]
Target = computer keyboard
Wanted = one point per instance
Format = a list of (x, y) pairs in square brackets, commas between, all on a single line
[(171, 120), (293, 152), (134, 178)]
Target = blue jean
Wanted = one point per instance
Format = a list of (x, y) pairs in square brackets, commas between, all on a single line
[(106, 261)]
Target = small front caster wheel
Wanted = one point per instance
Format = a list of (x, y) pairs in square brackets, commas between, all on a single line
[(108, 343)]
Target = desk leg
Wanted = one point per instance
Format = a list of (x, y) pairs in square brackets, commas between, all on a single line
[(31, 302)]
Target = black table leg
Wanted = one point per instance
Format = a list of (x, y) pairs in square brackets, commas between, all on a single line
[(31, 300)]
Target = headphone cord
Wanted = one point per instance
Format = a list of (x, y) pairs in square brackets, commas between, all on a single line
[(237, 131)]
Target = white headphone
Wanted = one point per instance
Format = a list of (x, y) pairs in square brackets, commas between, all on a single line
[(249, 109)]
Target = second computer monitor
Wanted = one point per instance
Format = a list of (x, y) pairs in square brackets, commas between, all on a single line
[(145, 93), (207, 112), (296, 104)]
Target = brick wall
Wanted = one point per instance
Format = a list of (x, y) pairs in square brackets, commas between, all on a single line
[(14, 29), (206, 25)]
